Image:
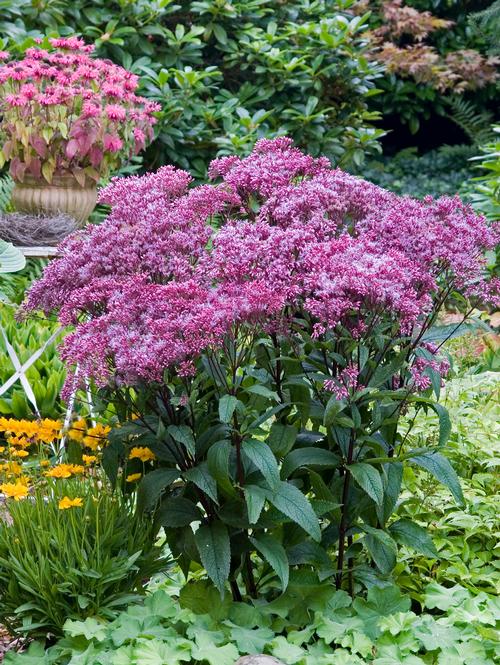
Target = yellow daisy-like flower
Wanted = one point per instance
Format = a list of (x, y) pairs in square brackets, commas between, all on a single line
[(16, 491), (133, 477), (89, 459), (2, 449), (65, 471), (19, 441), (142, 453), (96, 436), (11, 468), (44, 462), (78, 429), (66, 503), (20, 453)]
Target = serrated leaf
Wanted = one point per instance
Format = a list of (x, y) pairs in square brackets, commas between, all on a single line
[(177, 511), (255, 498), (291, 502), (309, 456), (281, 438), (184, 435), (413, 535), (259, 453), (227, 406), (212, 541), (200, 476), (152, 486), (275, 555), (381, 547), (442, 470), (369, 479)]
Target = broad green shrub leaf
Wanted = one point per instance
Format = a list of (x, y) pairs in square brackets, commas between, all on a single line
[(206, 650), (212, 541), (444, 598), (218, 464), (414, 536), (382, 548), (274, 553), (332, 410), (292, 503), (11, 258), (308, 457), (442, 470), (259, 453), (177, 512), (201, 597), (154, 652), (152, 486), (248, 640), (369, 479), (392, 490)]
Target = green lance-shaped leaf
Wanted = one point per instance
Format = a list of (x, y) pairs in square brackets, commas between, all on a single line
[(177, 512), (274, 553), (212, 541), (259, 453), (291, 502), (201, 477), (152, 486), (381, 547), (414, 536), (255, 498), (227, 406), (309, 456), (442, 470), (368, 478), (183, 434)]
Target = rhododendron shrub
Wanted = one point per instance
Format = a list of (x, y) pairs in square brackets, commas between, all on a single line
[(262, 337), (63, 111)]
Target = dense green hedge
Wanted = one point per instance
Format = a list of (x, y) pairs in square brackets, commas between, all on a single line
[(228, 72)]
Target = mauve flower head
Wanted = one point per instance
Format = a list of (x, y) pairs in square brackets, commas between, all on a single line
[(282, 240)]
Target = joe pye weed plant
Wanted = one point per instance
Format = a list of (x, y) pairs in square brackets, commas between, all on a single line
[(262, 337)]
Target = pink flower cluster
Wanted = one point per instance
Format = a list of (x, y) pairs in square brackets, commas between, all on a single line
[(66, 111), (282, 238)]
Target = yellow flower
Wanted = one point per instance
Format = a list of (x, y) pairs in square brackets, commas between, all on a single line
[(15, 491), (44, 462), (96, 436), (20, 441), (77, 432), (2, 449), (65, 471), (66, 503), (11, 468), (20, 453), (142, 453), (133, 477), (89, 459)]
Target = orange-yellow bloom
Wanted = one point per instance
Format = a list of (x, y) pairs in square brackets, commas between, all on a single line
[(20, 453), (66, 503), (133, 477), (96, 436), (78, 429), (11, 468), (16, 491), (89, 459), (65, 471), (44, 462), (142, 453)]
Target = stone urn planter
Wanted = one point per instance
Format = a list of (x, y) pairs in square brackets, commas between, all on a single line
[(64, 195)]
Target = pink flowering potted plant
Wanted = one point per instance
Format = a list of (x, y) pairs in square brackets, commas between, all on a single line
[(67, 120)]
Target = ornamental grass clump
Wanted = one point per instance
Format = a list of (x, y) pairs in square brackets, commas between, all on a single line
[(262, 337), (66, 112)]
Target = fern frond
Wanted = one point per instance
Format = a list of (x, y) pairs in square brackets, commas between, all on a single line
[(486, 24), (475, 124)]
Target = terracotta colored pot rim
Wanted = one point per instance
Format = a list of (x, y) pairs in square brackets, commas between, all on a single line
[(66, 180)]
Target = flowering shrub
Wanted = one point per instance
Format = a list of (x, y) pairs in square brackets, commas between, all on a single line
[(263, 336), (64, 111)]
